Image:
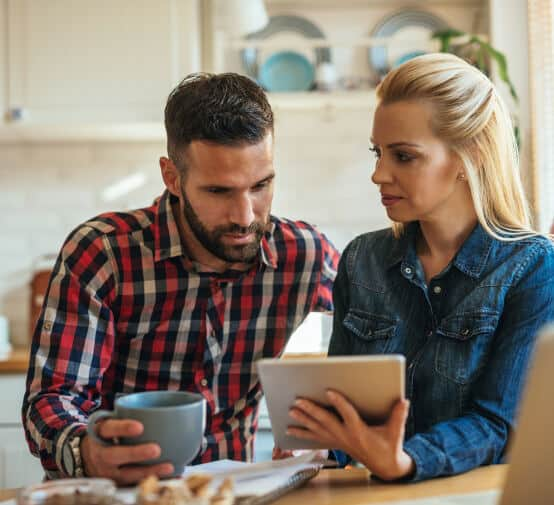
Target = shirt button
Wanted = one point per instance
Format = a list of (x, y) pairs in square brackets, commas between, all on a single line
[(47, 326), (204, 382), (212, 333), (430, 333), (465, 332), (408, 271), (437, 290)]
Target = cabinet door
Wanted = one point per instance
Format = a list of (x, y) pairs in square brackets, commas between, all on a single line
[(106, 60), (17, 466)]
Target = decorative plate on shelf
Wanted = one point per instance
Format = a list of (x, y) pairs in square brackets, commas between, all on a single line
[(406, 25), (284, 28), (287, 71)]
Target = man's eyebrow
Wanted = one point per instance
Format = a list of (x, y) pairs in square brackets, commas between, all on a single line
[(266, 179), (223, 187)]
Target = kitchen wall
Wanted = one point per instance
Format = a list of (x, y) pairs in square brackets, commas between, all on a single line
[(323, 167)]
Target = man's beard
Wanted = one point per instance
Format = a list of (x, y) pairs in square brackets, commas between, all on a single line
[(211, 239)]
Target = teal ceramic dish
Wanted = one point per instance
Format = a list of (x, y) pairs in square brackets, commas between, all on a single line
[(287, 71)]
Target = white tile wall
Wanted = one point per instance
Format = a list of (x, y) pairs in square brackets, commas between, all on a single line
[(46, 190)]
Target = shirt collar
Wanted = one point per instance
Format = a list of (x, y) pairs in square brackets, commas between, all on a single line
[(470, 259), (168, 241), (472, 256)]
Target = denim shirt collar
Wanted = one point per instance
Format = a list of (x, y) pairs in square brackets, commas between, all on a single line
[(470, 259)]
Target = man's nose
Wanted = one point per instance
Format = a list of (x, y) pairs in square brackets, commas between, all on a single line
[(242, 211)]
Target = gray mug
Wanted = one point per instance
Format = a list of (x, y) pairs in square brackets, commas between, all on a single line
[(175, 420)]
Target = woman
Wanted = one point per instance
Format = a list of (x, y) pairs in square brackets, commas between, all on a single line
[(459, 285)]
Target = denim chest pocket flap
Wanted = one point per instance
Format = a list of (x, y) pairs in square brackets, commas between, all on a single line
[(463, 344), (373, 331)]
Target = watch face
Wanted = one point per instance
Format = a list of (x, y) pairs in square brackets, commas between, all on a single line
[(68, 459)]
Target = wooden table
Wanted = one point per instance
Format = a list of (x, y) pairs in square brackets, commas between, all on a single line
[(17, 361), (351, 487)]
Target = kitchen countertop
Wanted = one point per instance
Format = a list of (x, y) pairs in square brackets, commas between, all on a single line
[(352, 487), (17, 361)]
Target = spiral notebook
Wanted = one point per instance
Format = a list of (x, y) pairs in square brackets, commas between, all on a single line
[(254, 483)]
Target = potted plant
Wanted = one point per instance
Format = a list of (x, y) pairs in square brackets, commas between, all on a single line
[(480, 53)]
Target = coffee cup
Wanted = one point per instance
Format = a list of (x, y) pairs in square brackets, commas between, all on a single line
[(175, 420)]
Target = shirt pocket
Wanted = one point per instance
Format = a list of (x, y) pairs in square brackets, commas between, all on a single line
[(371, 333), (463, 342)]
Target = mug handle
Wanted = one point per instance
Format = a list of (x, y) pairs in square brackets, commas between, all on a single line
[(91, 426)]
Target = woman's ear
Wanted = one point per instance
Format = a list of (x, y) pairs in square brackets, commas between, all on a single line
[(171, 176)]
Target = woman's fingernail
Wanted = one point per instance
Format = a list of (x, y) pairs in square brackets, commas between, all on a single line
[(331, 395), (298, 402)]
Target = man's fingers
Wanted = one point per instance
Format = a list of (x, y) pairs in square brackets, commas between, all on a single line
[(119, 428), (129, 454), (132, 474)]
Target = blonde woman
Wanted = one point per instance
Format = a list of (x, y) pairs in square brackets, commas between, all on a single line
[(459, 285)]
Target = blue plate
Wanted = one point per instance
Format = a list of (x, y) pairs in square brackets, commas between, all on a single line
[(406, 18), (287, 71), (408, 56), (279, 25)]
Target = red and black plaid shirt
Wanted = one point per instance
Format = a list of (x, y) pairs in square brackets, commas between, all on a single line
[(127, 311)]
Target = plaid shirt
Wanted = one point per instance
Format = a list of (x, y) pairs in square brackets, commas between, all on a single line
[(126, 310)]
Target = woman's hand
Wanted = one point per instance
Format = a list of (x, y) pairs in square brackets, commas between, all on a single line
[(379, 448)]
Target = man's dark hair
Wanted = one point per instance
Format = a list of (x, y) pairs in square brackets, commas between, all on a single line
[(228, 109)]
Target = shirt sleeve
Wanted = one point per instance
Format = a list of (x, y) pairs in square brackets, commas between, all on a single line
[(329, 262), (480, 436), (71, 349)]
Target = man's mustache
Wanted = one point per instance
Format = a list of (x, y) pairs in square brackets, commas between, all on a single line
[(256, 227)]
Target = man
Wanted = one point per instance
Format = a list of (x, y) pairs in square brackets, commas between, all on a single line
[(186, 294)]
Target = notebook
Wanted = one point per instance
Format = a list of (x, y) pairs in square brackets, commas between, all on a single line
[(254, 483)]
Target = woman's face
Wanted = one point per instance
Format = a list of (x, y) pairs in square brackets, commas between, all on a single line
[(416, 172)]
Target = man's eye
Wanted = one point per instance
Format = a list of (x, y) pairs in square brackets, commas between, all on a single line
[(261, 185), (216, 191)]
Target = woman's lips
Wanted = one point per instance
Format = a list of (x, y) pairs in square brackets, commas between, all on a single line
[(389, 200)]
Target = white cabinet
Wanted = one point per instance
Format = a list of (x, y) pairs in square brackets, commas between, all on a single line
[(17, 466), (102, 62), (347, 26)]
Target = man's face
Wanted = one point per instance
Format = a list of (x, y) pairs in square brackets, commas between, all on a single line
[(226, 196)]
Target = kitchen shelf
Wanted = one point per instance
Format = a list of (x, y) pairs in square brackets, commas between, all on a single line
[(28, 132), (38, 132), (305, 100)]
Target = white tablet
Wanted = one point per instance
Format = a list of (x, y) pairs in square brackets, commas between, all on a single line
[(372, 383)]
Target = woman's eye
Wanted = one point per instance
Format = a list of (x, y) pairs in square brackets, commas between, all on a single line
[(376, 152), (403, 157)]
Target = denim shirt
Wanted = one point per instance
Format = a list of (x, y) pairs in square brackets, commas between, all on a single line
[(467, 336)]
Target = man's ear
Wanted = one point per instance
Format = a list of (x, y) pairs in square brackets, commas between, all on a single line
[(170, 176)]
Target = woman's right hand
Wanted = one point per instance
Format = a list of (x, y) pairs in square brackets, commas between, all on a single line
[(118, 462)]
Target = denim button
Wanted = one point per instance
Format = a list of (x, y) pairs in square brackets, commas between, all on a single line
[(437, 290), (465, 332)]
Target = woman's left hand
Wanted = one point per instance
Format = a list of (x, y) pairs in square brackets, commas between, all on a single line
[(379, 448)]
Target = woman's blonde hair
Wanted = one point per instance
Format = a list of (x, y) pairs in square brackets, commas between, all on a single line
[(472, 119)]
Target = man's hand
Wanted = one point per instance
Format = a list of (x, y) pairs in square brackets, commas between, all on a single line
[(118, 462), (379, 448)]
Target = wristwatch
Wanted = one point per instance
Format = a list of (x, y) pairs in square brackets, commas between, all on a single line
[(71, 456)]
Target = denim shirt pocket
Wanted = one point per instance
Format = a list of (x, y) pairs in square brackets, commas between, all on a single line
[(371, 333), (463, 341)]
